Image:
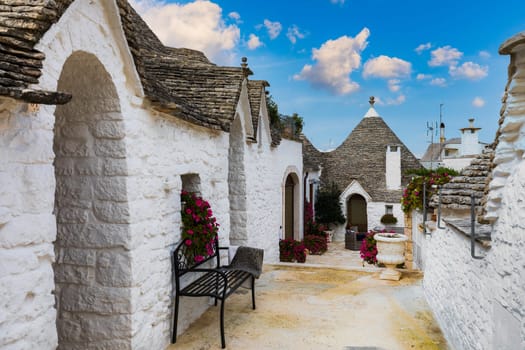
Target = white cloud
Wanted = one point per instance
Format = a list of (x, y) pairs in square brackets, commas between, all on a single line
[(393, 85), (386, 67), (253, 42), (335, 61), (484, 54), (274, 28), (422, 76), (445, 56), (196, 25), (397, 101), (423, 47), (469, 70), (441, 82), (235, 16), (294, 33), (478, 102)]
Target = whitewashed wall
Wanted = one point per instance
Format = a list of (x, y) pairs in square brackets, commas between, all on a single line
[(480, 304), (376, 210), (27, 228), (457, 163), (160, 151), (153, 152), (266, 171)]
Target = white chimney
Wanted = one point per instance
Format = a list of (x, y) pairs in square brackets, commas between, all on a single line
[(393, 168)]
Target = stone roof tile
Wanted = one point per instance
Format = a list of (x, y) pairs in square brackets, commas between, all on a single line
[(362, 156), (182, 82), (457, 193), (22, 25), (312, 158), (255, 90)]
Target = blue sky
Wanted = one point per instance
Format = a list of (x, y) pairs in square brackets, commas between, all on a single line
[(324, 58)]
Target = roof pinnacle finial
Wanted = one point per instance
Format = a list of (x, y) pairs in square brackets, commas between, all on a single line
[(372, 101), (244, 66)]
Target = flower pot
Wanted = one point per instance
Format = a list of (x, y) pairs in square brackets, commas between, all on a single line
[(390, 252), (286, 257)]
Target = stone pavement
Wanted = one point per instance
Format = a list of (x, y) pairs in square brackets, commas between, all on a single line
[(331, 302)]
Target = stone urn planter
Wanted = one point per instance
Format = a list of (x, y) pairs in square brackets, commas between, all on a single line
[(390, 252)]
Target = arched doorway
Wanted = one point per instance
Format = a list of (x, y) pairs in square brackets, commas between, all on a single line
[(356, 213), (93, 261), (289, 207)]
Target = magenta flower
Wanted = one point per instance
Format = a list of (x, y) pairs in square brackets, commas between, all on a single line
[(188, 242), (198, 202), (198, 258), (188, 211), (190, 232)]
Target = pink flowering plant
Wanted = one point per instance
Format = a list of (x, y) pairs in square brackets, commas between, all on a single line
[(368, 249), (199, 227)]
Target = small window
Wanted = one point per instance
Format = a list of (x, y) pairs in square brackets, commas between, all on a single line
[(393, 148), (191, 183), (389, 209)]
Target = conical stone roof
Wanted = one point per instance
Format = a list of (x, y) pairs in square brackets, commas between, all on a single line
[(362, 157)]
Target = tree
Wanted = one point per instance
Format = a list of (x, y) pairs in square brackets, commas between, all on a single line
[(328, 208), (273, 111), (280, 121)]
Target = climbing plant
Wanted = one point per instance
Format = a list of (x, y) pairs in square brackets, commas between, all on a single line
[(413, 193)]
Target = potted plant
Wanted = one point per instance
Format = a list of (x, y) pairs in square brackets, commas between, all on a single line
[(286, 250), (199, 226), (315, 244), (300, 252), (388, 219), (390, 252)]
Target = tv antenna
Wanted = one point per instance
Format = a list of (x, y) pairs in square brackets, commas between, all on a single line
[(432, 129)]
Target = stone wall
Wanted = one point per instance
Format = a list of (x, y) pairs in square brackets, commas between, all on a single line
[(27, 229), (161, 151), (119, 173), (28, 225), (93, 262), (479, 303), (473, 300)]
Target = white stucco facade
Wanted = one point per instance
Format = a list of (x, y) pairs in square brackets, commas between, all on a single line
[(93, 187)]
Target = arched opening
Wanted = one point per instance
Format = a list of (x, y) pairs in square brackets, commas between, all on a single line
[(356, 213), (289, 206), (237, 185), (93, 265)]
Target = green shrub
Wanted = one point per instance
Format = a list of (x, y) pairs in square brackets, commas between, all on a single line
[(328, 208), (388, 219)]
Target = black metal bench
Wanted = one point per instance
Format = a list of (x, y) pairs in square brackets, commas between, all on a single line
[(218, 282)]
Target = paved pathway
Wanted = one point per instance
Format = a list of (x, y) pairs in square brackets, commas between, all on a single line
[(331, 302)]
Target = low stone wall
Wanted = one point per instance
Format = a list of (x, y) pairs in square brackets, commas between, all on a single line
[(478, 303)]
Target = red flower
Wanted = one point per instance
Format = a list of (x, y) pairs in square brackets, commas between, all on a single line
[(188, 242), (188, 211), (198, 202), (198, 258), (190, 232)]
